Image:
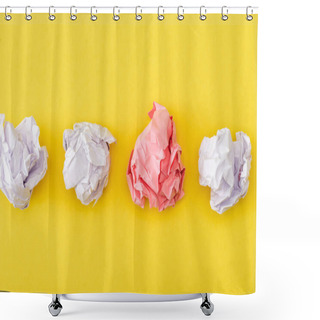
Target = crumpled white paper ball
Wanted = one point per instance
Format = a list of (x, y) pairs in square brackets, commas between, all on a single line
[(224, 166), (23, 163), (87, 160)]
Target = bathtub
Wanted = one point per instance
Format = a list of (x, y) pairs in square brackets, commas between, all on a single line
[(55, 306)]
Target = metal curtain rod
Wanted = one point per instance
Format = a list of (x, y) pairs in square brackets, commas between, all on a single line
[(142, 10)]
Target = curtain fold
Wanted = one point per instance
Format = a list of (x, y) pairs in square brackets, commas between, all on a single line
[(106, 72)]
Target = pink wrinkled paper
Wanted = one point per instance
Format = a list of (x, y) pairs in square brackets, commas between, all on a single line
[(155, 170)]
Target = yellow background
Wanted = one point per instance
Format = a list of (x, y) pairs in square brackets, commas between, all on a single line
[(107, 72)]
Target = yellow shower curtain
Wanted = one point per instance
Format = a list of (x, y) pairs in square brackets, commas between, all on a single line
[(107, 72)]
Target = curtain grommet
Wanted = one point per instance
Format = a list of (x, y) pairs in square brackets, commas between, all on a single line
[(180, 13), (138, 16), (28, 16), (7, 16), (160, 16), (51, 15), (249, 17), (203, 13), (116, 17), (73, 16), (93, 17), (224, 13)]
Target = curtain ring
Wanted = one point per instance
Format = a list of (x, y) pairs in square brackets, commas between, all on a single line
[(116, 17), (249, 16), (160, 16), (138, 16), (28, 16), (51, 15), (180, 14), (224, 15), (203, 12), (6, 15), (73, 16), (93, 16)]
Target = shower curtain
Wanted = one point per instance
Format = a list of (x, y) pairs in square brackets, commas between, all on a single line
[(109, 72)]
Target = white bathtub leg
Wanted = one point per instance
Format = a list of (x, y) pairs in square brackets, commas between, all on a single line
[(206, 305), (55, 306)]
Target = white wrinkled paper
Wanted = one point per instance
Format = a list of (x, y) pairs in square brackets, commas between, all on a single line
[(87, 160), (224, 166), (23, 163)]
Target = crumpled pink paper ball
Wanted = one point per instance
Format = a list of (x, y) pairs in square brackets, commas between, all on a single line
[(155, 170)]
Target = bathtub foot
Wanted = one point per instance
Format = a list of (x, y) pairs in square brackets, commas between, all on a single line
[(206, 305), (55, 306)]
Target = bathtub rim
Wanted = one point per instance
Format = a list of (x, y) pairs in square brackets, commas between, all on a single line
[(129, 297)]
